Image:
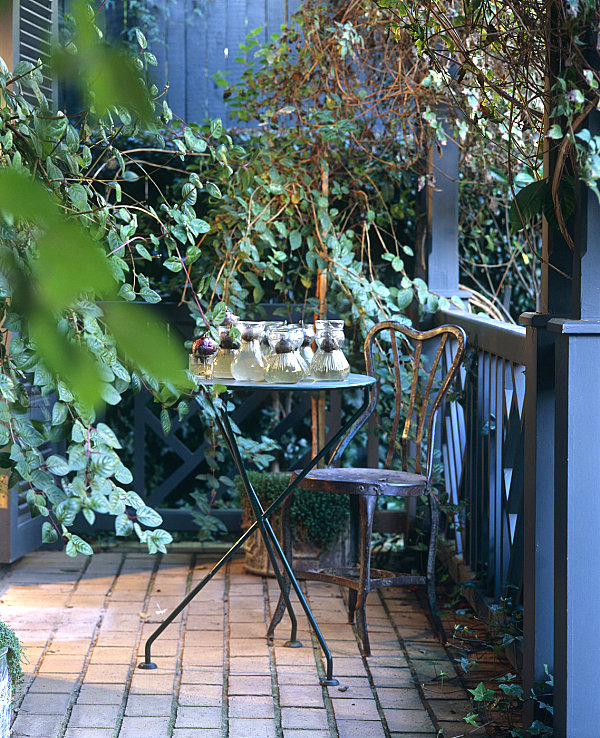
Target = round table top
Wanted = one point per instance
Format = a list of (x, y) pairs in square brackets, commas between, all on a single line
[(311, 385)]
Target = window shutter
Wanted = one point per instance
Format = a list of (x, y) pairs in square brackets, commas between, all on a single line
[(35, 27)]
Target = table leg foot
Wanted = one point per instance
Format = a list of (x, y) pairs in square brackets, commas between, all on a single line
[(147, 665), (328, 682), (293, 644)]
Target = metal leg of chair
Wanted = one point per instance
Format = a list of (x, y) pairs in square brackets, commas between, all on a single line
[(352, 594), (431, 595), (288, 551), (367, 504)]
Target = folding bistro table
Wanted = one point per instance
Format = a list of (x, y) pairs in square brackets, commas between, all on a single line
[(262, 516)]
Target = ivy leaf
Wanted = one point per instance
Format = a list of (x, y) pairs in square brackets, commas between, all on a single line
[(158, 540), (213, 190), (66, 511)]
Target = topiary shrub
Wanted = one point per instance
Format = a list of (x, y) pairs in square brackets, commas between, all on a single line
[(316, 517)]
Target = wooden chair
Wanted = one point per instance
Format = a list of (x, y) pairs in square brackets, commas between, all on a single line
[(418, 368)]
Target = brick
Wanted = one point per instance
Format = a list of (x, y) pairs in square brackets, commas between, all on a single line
[(243, 728), (34, 727), (291, 733), (192, 733), (304, 718), (54, 683), (198, 717), (345, 709), (250, 685), (107, 673), (143, 727), (404, 698), (416, 721), (202, 675), (152, 705), (251, 706), (45, 704), (292, 695), (97, 694), (359, 729), (94, 716), (89, 733), (199, 695)]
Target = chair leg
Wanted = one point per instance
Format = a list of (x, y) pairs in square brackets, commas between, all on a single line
[(367, 506), (351, 605), (431, 595), (288, 552)]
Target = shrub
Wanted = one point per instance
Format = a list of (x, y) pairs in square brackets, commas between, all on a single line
[(316, 517)]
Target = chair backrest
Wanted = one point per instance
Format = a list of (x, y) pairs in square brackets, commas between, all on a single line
[(421, 365)]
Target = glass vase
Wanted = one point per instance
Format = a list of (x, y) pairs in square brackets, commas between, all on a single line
[(308, 337), (285, 365), (248, 364), (329, 363)]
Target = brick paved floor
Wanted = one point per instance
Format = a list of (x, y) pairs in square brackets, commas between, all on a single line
[(84, 622)]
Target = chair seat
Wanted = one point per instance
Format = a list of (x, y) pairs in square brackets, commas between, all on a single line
[(365, 482)]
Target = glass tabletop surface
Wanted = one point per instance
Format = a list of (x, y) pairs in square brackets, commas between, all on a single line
[(352, 380)]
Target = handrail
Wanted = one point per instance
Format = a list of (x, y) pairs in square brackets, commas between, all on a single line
[(503, 339)]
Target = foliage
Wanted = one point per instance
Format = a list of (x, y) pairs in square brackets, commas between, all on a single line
[(14, 658), (315, 517), (328, 188), (524, 77), (73, 253)]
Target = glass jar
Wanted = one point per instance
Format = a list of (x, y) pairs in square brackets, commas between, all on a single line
[(329, 362), (248, 364), (228, 348), (285, 365), (308, 336), (265, 346), (200, 363)]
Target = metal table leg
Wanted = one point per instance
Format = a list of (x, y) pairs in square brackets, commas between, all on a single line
[(269, 537)]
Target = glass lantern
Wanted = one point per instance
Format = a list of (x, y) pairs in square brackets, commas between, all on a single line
[(285, 365), (248, 363), (329, 363)]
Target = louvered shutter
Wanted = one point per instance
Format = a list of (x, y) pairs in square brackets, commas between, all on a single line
[(35, 26)]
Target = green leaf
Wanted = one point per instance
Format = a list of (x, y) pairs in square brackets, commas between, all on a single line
[(49, 534), (107, 436), (57, 465), (165, 421), (213, 190), (295, 240), (141, 39), (60, 411), (147, 516), (123, 525), (216, 128), (529, 202), (82, 546), (66, 511)]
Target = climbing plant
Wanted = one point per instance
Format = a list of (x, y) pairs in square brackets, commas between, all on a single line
[(73, 254)]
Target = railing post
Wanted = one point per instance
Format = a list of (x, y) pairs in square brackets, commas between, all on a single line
[(438, 248), (577, 502), (538, 504)]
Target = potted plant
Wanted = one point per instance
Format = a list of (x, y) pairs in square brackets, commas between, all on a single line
[(11, 674), (319, 524)]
